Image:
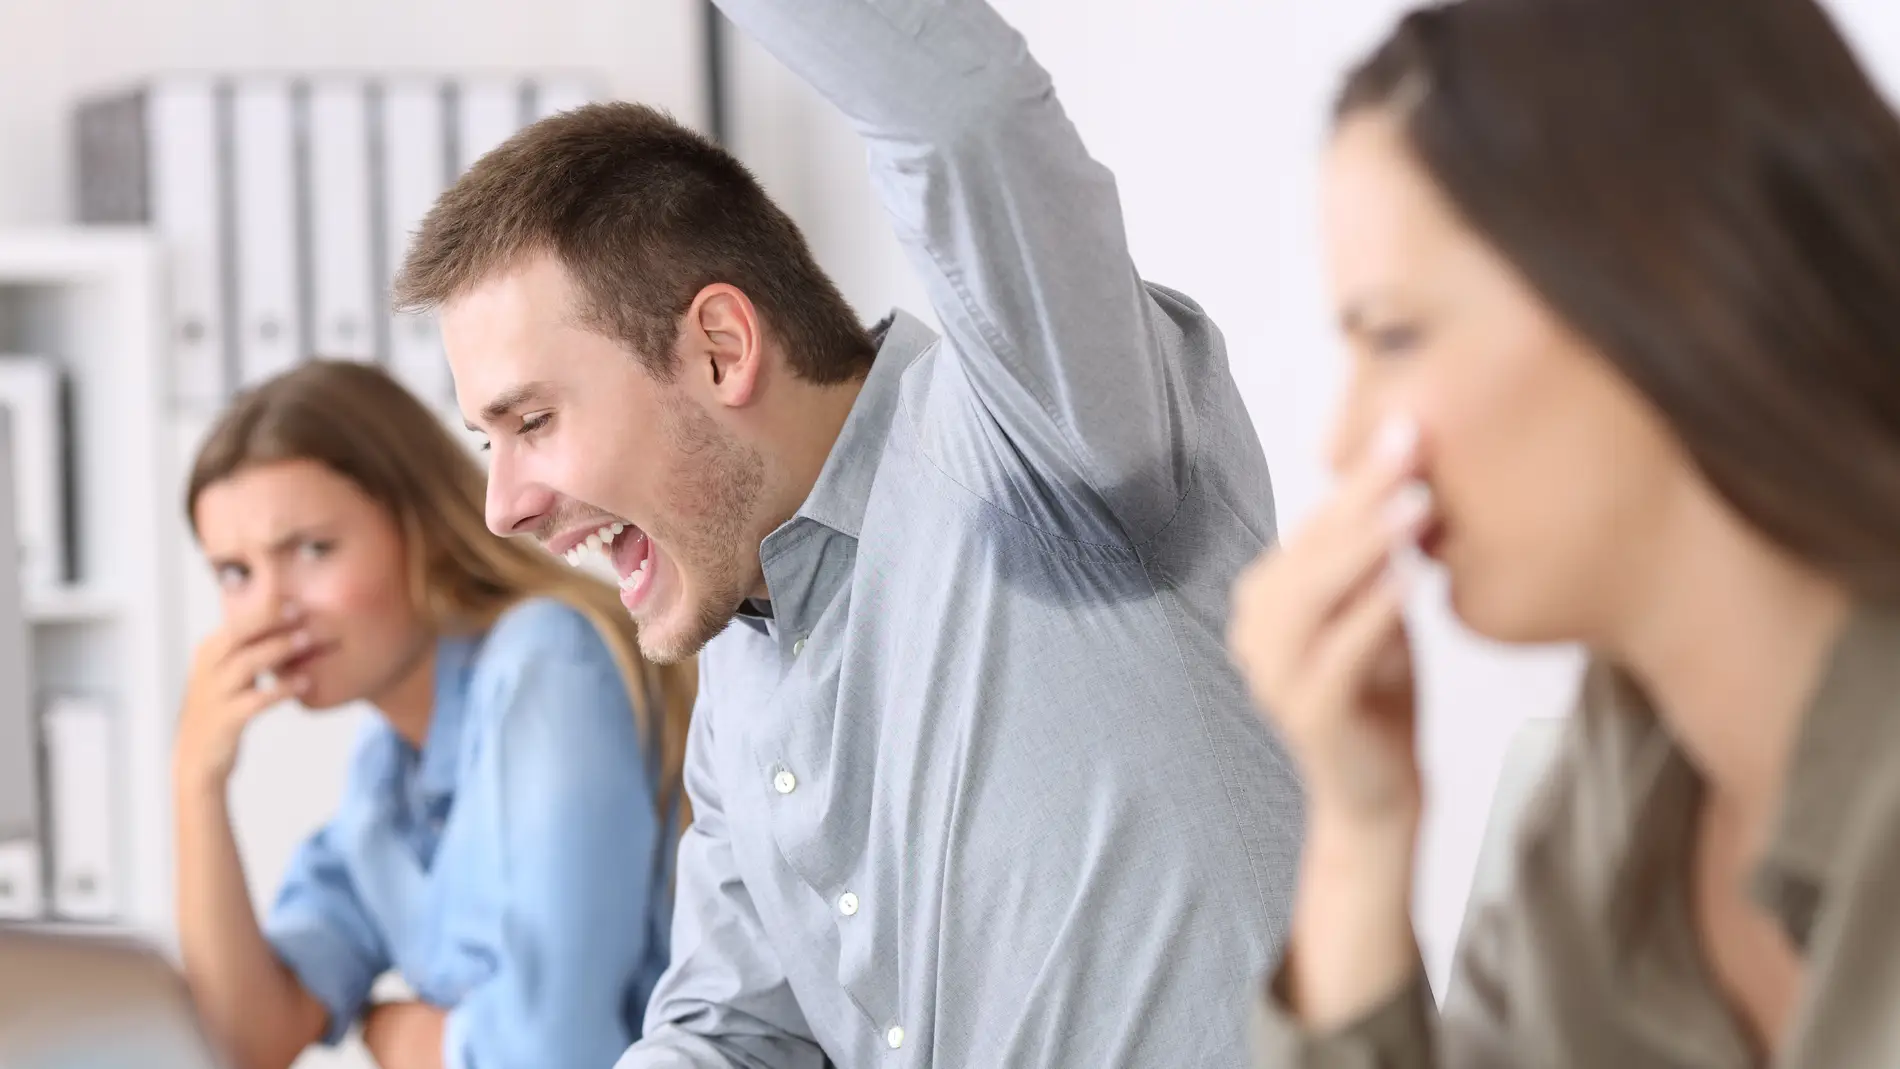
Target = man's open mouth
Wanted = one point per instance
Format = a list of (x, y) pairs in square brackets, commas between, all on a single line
[(626, 549)]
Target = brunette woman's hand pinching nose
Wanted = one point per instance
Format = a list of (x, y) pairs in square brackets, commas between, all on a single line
[(1318, 632)]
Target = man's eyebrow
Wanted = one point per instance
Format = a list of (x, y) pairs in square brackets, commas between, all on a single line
[(509, 400)]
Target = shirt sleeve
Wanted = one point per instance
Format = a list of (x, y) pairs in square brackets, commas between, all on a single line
[(1016, 233), (1517, 954), (1398, 1033), (320, 930), (1477, 1029), (724, 1003), (559, 783)]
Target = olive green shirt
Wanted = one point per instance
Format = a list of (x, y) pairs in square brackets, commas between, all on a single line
[(1593, 960)]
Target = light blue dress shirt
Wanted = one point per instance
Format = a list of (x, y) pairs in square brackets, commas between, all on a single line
[(985, 789), (515, 871)]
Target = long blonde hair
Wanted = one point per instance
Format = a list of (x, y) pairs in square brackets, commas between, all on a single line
[(357, 421)]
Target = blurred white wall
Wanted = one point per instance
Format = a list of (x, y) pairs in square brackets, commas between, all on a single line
[(1212, 114), (51, 51)]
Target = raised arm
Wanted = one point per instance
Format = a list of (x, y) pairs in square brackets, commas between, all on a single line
[(1016, 232), (724, 1003), (561, 788)]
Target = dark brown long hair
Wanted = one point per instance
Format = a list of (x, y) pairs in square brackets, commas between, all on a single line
[(361, 424), (1710, 193)]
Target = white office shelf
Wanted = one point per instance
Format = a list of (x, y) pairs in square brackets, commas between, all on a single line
[(71, 605), (93, 298)]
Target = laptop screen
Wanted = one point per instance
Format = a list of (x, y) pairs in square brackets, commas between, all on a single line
[(78, 1001)]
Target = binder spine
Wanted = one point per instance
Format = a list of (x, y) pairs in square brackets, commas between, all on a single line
[(110, 161)]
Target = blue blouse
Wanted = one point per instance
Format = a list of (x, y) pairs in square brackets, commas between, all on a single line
[(515, 871)]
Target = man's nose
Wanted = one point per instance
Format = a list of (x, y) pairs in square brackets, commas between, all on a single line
[(514, 505)]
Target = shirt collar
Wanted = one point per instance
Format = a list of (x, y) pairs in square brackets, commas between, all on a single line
[(1847, 748), (756, 613), (1649, 803), (439, 765), (1848, 739), (838, 498)]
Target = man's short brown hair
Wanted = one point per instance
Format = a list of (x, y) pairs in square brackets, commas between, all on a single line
[(644, 214)]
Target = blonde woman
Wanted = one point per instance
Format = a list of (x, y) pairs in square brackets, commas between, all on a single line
[(506, 834)]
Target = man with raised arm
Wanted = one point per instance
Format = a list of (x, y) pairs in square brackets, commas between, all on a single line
[(972, 781)]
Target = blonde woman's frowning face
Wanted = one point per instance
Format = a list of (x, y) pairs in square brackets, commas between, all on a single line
[(293, 539)]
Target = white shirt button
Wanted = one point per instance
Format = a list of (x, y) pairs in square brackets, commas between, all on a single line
[(784, 782), (895, 1037), (848, 904), (798, 647)]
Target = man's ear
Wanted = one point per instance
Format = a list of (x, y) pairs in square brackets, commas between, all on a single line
[(725, 346)]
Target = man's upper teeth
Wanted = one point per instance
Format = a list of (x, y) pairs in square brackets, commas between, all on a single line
[(599, 542)]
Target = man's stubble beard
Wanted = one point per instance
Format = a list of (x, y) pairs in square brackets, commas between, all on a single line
[(715, 484)]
